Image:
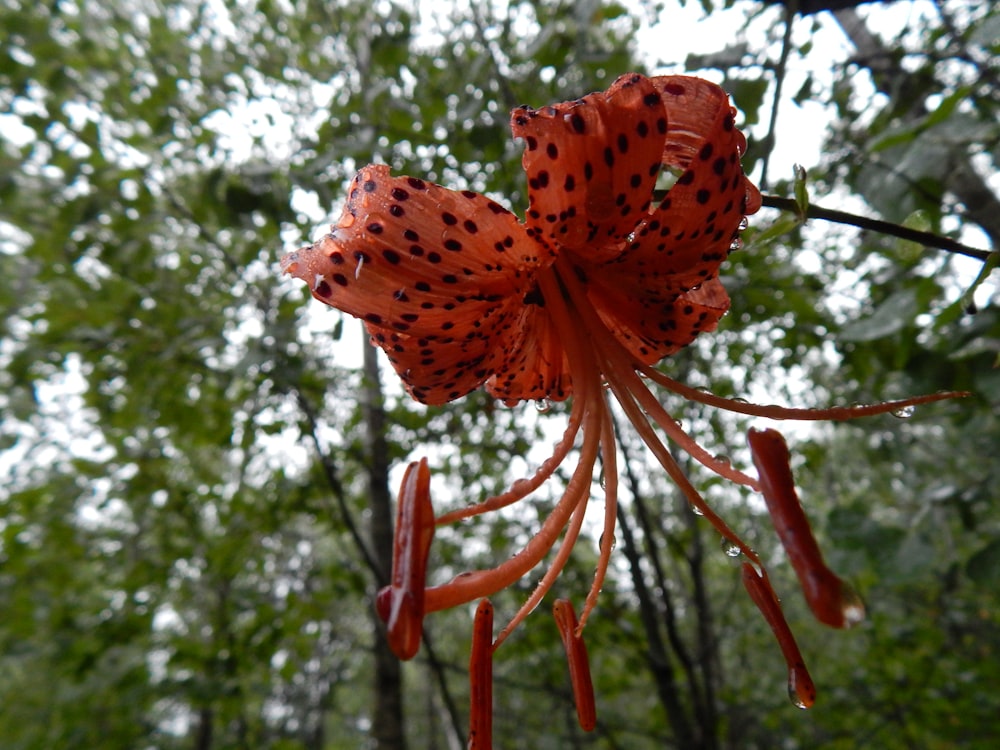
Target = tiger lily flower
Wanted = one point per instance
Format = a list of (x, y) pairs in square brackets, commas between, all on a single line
[(598, 284)]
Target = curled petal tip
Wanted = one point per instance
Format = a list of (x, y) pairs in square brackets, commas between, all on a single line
[(289, 263)]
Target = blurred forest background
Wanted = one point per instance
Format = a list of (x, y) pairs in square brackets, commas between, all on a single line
[(197, 463)]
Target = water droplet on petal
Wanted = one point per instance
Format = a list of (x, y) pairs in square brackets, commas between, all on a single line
[(520, 486), (904, 412), (543, 406), (744, 223), (736, 244), (731, 548)]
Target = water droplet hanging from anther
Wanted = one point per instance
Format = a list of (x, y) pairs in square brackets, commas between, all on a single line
[(851, 605)]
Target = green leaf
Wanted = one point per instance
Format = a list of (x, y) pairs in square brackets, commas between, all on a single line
[(983, 567), (894, 314)]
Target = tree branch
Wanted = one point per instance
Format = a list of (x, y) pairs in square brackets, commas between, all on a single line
[(928, 239)]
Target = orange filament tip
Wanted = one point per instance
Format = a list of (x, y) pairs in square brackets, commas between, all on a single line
[(401, 604), (832, 601), (579, 664), (481, 679)]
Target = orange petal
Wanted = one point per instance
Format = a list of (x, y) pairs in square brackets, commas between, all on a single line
[(437, 274), (592, 164), (579, 664), (832, 601), (534, 364), (647, 295), (401, 604), (481, 679), (801, 689)]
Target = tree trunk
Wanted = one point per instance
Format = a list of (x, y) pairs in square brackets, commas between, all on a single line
[(387, 719)]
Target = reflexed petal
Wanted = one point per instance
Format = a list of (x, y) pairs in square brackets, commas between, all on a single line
[(438, 275), (681, 245)]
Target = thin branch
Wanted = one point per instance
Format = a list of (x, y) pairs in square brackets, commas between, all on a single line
[(333, 480), (779, 80), (927, 239), (437, 668)]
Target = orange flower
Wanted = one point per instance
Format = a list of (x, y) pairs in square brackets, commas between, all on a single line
[(597, 285)]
